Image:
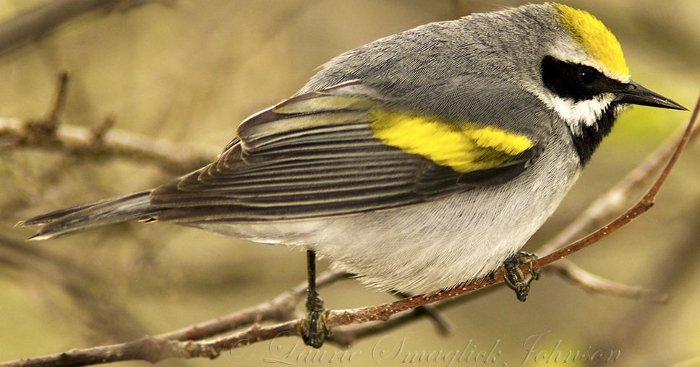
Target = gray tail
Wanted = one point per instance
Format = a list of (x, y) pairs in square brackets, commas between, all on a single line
[(88, 216)]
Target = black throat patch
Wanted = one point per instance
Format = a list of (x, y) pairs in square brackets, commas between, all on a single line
[(588, 141), (578, 83)]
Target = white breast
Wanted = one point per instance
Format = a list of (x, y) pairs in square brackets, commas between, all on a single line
[(434, 245)]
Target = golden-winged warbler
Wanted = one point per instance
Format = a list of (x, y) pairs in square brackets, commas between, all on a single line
[(416, 162)]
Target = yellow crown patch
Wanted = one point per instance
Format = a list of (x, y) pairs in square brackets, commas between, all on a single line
[(595, 38)]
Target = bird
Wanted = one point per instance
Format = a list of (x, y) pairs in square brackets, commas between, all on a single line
[(416, 162)]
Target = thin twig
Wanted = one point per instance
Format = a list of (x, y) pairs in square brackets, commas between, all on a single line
[(53, 116), (99, 131), (181, 343), (615, 199), (99, 142), (346, 336), (43, 19), (642, 206), (280, 308), (443, 326), (80, 142), (597, 284), (606, 205)]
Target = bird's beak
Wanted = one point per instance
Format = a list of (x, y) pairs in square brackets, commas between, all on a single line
[(633, 93)]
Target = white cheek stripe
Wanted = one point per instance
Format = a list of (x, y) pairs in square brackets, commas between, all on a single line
[(577, 114), (586, 112)]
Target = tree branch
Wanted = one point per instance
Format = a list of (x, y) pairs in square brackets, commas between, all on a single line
[(641, 207), (41, 20), (597, 284), (617, 198), (280, 308), (84, 143), (180, 343), (605, 206), (101, 141)]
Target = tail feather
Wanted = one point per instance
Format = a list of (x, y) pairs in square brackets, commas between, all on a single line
[(83, 217)]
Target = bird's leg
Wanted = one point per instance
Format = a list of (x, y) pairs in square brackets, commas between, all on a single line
[(313, 328), (515, 278)]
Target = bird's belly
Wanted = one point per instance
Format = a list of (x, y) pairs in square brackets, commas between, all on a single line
[(424, 247)]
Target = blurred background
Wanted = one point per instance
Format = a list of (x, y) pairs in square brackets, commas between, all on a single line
[(187, 72)]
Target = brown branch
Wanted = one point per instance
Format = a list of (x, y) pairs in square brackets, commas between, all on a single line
[(346, 336), (99, 142), (86, 144), (597, 284), (41, 20), (641, 207), (280, 308), (181, 343), (154, 349), (443, 326), (617, 198), (684, 256), (59, 103), (605, 206)]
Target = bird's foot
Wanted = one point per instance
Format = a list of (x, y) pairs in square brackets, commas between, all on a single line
[(313, 327), (515, 278)]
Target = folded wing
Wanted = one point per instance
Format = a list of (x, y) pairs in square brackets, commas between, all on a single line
[(341, 151)]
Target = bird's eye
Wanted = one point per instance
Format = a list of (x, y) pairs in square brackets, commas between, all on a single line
[(587, 75), (575, 81)]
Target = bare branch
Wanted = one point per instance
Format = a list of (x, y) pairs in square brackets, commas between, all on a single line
[(181, 343), (597, 284), (280, 308), (144, 349), (96, 143), (346, 336), (40, 21), (606, 205), (617, 198), (443, 326), (99, 130), (85, 143), (52, 118), (642, 206)]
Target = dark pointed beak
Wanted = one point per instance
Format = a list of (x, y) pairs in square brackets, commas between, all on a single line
[(633, 93)]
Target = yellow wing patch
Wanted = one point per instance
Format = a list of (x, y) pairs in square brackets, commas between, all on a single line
[(463, 146), (595, 38)]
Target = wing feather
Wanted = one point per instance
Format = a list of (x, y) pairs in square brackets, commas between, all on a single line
[(316, 155)]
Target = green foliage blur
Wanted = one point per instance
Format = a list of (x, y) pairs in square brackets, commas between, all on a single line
[(189, 73)]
